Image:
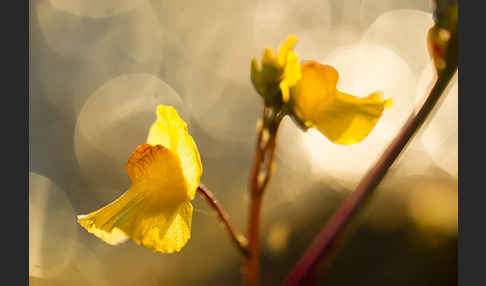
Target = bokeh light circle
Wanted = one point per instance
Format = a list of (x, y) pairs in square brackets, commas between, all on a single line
[(136, 37), (232, 116), (405, 33), (310, 21), (440, 132), (52, 228), (370, 10), (89, 264), (432, 206), (96, 8)]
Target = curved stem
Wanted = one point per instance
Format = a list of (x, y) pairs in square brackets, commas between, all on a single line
[(238, 239), (303, 272)]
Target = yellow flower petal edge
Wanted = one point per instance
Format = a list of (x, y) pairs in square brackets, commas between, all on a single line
[(285, 48), (170, 131), (277, 72), (155, 211), (342, 118), (292, 75)]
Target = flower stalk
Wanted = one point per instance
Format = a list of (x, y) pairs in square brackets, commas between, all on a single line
[(238, 239), (260, 176)]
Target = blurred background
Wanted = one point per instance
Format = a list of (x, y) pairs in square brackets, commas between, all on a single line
[(98, 69)]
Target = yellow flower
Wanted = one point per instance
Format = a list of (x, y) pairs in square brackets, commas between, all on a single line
[(277, 74), (342, 118), (310, 92), (155, 211)]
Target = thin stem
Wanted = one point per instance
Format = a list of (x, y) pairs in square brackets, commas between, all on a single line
[(303, 272), (271, 150), (253, 260), (260, 176), (238, 239)]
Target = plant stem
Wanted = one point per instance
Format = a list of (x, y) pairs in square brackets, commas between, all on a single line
[(260, 176), (253, 260), (303, 272), (238, 239)]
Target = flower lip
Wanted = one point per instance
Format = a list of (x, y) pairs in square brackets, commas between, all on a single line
[(343, 118)]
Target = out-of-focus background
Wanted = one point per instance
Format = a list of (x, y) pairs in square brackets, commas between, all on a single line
[(98, 68)]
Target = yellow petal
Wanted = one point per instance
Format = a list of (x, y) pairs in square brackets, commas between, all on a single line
[(348, 119), (140, 215), (170, 131), (162, 228), (315, 89), (342, 118), (103, 222), (285, 48), (291, 75), (284, 88), (292, 72)]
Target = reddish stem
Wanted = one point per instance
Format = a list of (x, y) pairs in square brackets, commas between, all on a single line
[(238, 239), (260, 176)]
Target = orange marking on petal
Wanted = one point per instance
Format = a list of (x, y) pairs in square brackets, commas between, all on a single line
[(141, 159)]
